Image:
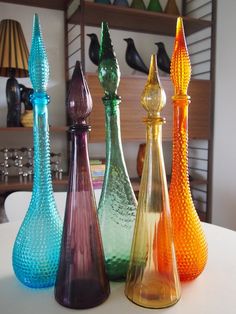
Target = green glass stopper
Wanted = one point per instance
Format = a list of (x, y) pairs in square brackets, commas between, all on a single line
[(108, 69)]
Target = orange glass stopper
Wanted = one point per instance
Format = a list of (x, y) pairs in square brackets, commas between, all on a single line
[(189, 238)]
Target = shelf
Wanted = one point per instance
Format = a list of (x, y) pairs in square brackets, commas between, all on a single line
[(132, 113), (13, 184), (24, 129), (48, 4), (133, 19), (193, 182)]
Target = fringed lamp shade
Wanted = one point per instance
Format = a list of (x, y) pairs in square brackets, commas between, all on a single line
[(13, 50)]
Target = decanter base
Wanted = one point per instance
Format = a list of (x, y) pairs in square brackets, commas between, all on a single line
[(81, 294)]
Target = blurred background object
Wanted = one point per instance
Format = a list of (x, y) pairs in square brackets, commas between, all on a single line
[(133, 58), (94, 48), (13, 63), (163, 60)]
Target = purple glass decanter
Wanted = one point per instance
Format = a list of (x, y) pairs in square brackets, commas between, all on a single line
[(81, 279)]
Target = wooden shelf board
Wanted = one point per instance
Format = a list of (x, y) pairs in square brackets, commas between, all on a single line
[(48, 4), (133, 19), (13, 184), (27, 129), (132, 113)]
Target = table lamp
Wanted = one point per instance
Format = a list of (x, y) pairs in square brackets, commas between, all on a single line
[(13, 63)]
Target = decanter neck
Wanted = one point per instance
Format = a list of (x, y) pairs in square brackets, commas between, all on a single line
[(154, 130), (153, 188), (79, 174), (113, 133), (42, 169), (180, 139)]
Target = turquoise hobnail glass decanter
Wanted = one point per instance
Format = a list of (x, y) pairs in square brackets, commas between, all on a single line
[(37, 245), (117, 205)]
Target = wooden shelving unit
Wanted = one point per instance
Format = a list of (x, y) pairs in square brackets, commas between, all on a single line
[(48, 4), (132, 113), (87, 13), (13, 183), (28, 129), (92, 14)]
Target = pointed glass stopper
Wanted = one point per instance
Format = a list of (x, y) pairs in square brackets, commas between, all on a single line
[(190, 242), (117, 205), (171, 8), (155, 6), (108, 70), (122, 3), (37, 247), (138, 4), (180, 62), (152, 279), (153, 97), (79, 102), (38, 61), (81, 279)]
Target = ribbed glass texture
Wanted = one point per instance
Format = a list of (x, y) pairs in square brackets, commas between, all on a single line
[(117, 205), (190, 241), (152, 279), (37, 245), (81, 279)]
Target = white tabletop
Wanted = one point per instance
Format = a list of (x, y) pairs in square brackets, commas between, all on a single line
[(214, 291)]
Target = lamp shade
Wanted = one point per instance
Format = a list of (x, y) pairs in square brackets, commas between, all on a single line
[(13, 50)]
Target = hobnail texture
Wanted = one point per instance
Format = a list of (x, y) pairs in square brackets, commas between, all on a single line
[(37, 245), (38, 61), (190, 242), (189, 238)]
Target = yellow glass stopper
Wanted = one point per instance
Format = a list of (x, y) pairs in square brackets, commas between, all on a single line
[(153, 97)]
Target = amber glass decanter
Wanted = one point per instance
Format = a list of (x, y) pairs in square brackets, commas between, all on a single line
[(171, 8), (152, 279), (81, 279), (117, 205), (190, 242)]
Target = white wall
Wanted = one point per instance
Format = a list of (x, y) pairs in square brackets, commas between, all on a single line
[(224, 165)]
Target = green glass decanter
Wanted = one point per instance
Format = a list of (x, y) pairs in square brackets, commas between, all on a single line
[(155, 6), (138, 4), (117, 206)]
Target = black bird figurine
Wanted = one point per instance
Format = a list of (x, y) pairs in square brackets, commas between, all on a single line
[(94, 48), (133, 58), (163, 60)]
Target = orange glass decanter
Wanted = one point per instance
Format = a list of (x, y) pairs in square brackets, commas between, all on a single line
[(152, 278), (189, 238)]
